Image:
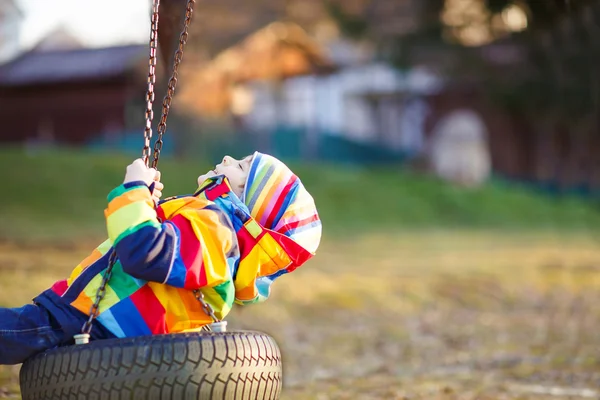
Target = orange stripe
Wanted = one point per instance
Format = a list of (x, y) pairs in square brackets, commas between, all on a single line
[(247, 293), (133, 196), (82, 303), (92, 258), (172, 321), (192, 306)]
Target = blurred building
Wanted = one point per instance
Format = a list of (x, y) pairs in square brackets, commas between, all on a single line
[(11, 18), (57, 93), (296, 84)]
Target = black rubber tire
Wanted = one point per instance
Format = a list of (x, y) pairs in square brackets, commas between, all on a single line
[(230, 365)]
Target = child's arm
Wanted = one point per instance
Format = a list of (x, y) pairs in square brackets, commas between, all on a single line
[(192, 250)]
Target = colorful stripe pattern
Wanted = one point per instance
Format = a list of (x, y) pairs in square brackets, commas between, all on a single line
[(286, 213), (208, 241), (278, 200)]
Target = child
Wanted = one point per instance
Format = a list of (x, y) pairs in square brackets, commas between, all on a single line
[(249, 222)]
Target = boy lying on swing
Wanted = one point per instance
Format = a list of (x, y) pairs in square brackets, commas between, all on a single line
[(249, 222)]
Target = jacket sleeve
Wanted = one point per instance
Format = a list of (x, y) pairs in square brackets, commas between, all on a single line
[(194, 249)]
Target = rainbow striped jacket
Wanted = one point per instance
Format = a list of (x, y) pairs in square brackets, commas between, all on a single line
[(207, 241)]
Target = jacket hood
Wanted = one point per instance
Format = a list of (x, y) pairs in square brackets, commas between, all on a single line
[(276, 223), (277, 200)]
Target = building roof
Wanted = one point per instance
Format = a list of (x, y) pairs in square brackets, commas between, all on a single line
[(34, 68)]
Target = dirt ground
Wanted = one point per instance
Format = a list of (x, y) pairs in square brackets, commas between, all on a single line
[(422, 315)]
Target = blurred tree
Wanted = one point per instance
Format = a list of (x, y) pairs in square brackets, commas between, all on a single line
[(535, 58)]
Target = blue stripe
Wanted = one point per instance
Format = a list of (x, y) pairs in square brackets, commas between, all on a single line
[(147, 253), (133, 184), (130, 319), (107, 319), (277, 274), (85, 277), (178, 273), (300, 229), (263, 286), (255, 164)]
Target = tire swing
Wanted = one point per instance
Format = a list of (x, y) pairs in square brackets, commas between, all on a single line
[(207, 364)]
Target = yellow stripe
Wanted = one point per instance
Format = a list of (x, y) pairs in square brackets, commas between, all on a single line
[(171, 299), (248, 268), (253, 228), (74, 274), (221, 309), (98, 253), (263, 195), (92, 286), (105, 247), (216, 243), (110, 299), (275, 253), (128, 217)]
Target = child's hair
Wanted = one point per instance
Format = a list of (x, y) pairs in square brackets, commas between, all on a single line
[(278, 200)]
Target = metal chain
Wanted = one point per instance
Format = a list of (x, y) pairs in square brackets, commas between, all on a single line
[(166, 106), (100, 293), (150, 94), (207, 308), (161, 129)]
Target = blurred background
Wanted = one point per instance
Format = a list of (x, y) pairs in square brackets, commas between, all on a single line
[(451, 147)]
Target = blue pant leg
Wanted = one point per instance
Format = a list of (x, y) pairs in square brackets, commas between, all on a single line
[(26, 331)]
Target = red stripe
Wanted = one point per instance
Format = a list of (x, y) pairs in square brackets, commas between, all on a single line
[(275, 210), (298, 254), (298, 224), (60, 287), (160, 213), (190, 250), (217, 191), (150, 309), (245, 242)]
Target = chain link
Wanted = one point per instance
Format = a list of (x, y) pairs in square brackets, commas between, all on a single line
[(100, 293), (207, 308), (150, 94), (166, 106)]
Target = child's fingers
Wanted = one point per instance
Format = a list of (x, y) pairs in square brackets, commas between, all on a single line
[(159, 185), (157, 193), (157, 176)]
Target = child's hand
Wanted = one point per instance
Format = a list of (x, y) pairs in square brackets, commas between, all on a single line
[(158, 187), (138, 171)]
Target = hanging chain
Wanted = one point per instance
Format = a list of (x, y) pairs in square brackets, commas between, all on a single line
[(166, 106), (161, 129), (100, 293), (207, 308), (150, 94)]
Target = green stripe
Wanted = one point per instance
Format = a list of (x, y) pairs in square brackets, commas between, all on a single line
[(123, 284), (136, 228), (248, 302), (127, 217), (227, 291), (119, 190), (256, 183)]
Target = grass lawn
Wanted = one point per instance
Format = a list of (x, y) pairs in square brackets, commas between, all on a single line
[(420, 290), (62, 194), (439, 315)]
